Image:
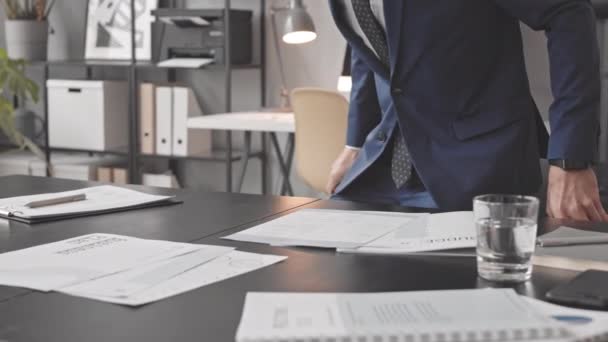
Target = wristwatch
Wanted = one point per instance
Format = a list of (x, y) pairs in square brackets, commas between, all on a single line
[(568, 164)]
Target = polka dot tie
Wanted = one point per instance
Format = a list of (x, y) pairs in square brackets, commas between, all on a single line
[(401, 164), (371, 28)]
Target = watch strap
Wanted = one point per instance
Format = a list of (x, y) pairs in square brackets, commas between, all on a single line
[(569, 164)]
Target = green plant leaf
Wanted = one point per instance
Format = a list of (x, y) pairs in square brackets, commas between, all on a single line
[(13, 79)]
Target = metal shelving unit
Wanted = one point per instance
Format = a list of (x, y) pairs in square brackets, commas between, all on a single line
[(133, 66)]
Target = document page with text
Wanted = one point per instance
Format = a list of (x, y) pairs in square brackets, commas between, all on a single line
[(72, 261), (324, 228), (231, 264), (482, 313), (127, 283), (435, 232)]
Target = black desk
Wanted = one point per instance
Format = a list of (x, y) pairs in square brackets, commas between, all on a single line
[(212, 313), (201, 215)]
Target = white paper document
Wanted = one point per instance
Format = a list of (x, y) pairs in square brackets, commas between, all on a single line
[(324, 228), (56, 265), (457, 315), (185, 62), (182, 20), (226, 266), (370, 232), (127, 283), (434, 232), (98, 199), (586, 325)]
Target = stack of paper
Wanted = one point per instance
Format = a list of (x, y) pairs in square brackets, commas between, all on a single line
[(99, 199), (572, 257), (124, 270), (367, 231), (185, 62), (454, 315), (322, 228)]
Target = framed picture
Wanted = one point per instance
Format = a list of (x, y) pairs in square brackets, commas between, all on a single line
[(108, 34)]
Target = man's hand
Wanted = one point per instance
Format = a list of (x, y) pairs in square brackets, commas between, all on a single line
[(574, 195), (338, 169)]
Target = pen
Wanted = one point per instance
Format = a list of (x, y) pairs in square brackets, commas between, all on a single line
[(56, 200), (572, 241)]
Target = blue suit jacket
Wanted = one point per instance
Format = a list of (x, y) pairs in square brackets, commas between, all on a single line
[(458, 87)]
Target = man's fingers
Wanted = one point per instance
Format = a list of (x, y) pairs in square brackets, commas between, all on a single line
[(592, 212), (600, 209), (331, 186), (573, 211), (549, 211), (549, 207), (332, 182)]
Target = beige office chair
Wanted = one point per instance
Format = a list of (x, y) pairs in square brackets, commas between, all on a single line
[(320, 117)]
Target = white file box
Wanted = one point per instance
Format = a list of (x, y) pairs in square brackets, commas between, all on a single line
[(88, 115)]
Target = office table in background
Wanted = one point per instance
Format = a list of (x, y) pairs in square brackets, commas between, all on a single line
[(212, 313), (248, 122)]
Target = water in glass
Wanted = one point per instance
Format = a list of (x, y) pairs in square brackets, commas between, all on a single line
[(505, 247)]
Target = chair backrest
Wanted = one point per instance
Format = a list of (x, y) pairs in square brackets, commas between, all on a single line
[(321, 119)]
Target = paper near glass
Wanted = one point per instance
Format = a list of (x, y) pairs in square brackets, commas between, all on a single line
[(576, 258), (226, 266), (72, 261), (434, 232), (323, 228)]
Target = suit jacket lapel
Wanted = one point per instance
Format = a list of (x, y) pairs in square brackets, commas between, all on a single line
[(393, 14), (357, 44)]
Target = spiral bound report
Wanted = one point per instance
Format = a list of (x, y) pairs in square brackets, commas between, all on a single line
[(427, 316)]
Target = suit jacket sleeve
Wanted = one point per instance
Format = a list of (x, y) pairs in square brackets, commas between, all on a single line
[(575, 74), (364, 110)]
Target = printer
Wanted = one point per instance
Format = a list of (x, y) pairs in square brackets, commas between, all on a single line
[(199, 33)]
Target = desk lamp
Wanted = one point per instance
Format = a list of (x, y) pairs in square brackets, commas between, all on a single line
[(298, 28)]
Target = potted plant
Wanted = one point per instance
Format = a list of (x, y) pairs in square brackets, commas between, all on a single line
[(26, 28), (13, 82)]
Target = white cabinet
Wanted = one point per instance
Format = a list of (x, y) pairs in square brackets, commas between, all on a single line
[(90, 115)]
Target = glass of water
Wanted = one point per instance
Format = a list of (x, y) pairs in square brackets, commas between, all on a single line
[(506, 236)]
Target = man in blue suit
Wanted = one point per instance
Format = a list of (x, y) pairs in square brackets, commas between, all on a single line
[(441, 108)]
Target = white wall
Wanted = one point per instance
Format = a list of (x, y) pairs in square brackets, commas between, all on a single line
[(316, 64)]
